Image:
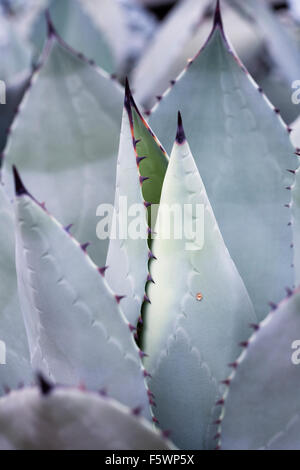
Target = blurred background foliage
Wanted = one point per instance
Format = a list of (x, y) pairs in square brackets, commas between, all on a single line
[(151, 41)]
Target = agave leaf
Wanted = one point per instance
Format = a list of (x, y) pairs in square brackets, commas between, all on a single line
[(77, 332), (295, 9), (199, 308), (262, 408), (22, 15), (183, 377), (17, 369), (155, 165), (67, 150), (140, 156), (242, 151), (78, 29), (284, 51), (153, 2), (69, 419)]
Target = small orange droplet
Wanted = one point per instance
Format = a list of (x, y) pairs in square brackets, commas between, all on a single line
[(199, 296)]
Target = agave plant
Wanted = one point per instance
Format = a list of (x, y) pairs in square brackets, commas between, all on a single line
[(137, 338)]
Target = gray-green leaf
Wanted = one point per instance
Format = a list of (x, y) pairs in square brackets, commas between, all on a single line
[(14, 346), (242, 151), (77, 332), (65, 141), (199, 309), (262, 408), (69, 419), (78, 29)]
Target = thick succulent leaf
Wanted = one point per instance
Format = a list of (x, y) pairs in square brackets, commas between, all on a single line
[(69, 419), (77, 332), (78, 29), (242, 151), (14, 94), (140, 156), (199, 309), (262, 407), (155, 165), (284, 50), (17, 369), (295, 9), (182, 378), (67, 150)]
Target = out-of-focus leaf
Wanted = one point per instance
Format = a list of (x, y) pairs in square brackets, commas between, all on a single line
[(78, 29), (295, 8), (199, 308), (167, 45), (65, 141), (262, 409), (69, 419), (141, 25), (154, 2), (242, 151), (76, 330), (285, 52), (22, 14), (15, 52), (111, 19)]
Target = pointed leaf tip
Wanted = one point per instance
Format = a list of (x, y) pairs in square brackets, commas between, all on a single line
[(180, 136), (45, 386), (50, 26), (128, 96), (19, 186), (129, 102), (218, 22)]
